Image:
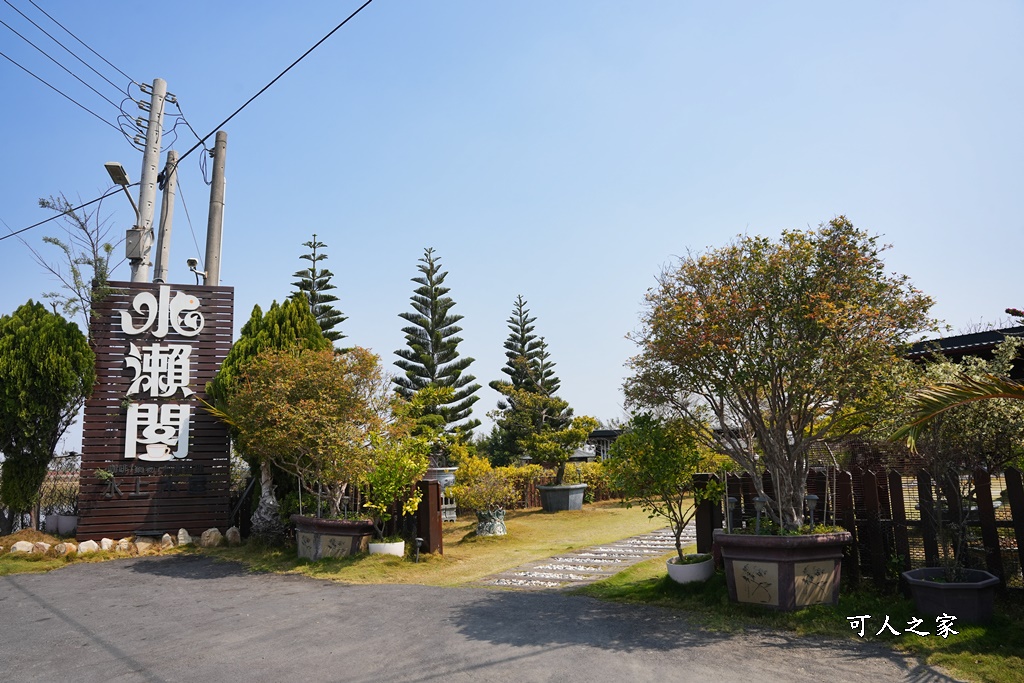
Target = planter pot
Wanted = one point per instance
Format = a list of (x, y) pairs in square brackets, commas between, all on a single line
[(783, 572), (970, 601), (564, 497), (317, 538), (691, 573), (66, 524), (491, 523), (397, 548)]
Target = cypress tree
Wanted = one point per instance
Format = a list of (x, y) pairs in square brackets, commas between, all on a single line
[(315, 283), (432, 357), (47, 370)]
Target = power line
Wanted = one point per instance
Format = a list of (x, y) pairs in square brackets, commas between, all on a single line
[(89, 66), (72, 100), (276, 78), (64, 213), (44, 53), (132, 80)]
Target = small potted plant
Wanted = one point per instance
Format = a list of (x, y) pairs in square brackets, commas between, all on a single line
[(959, 434), (396, 463), (654, 463), (486, 491)]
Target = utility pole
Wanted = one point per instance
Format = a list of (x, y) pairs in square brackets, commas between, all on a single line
[(215, 222), (139, 239), (163, 237)]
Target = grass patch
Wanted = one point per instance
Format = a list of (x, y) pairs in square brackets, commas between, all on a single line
[(993, 653), (532, 535)]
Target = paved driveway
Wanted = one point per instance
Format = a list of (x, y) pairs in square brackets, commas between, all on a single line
[(187, 618)]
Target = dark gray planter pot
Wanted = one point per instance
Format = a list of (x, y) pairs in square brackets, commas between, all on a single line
[(970, 601), (491, 523), (317, 538), (783, 572), (564, 497)]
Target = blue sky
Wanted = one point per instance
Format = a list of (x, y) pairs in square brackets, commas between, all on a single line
[(564, 151)]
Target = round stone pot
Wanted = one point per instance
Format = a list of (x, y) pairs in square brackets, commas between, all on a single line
[(491, 523), (691, 573), (564, 497), (783, 572), (397, 548), (970, 600)]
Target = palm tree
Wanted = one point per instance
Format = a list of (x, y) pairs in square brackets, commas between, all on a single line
[(936, 399)]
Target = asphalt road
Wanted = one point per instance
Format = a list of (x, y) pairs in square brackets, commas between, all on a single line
[(187, 618)]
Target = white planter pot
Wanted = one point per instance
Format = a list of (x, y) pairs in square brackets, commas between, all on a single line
[(690, 573), (396, 548)]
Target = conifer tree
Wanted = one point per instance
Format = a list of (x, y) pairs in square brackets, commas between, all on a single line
[(315, 283), (528, 405), (46, 374), (431, 358)]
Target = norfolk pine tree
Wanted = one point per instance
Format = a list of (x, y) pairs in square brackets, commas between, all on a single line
[(432, 357), (315, 283)]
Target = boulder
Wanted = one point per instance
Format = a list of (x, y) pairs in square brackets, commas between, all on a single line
[(86, 547), (23, 547), (211, 538), (124, 545), (167, 542), (183, 537), (106, 544), (233, 536), (144, 544), (41, 547), (66, 548)]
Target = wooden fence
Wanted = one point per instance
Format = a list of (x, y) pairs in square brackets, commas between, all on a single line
[(891, 515)]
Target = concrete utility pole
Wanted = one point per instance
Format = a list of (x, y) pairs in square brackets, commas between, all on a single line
[(139, 239), (163, 237), (215, 223)]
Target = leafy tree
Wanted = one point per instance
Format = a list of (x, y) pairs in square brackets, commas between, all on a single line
[(537, 424), (289, 325), (312, 414), (957, 434), (654, 463), (432, 357), (775, 343), (47, 370), (396, 464), (315, 283)]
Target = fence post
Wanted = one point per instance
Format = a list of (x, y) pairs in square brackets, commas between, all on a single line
[(987, 519), (899, 517), (874, 519), (1015, 493), (928, 522), (708, 517), (846, 516)]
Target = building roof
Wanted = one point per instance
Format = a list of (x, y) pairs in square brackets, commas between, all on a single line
[(964, 344)]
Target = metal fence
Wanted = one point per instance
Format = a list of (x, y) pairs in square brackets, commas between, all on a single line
[(58, 495)]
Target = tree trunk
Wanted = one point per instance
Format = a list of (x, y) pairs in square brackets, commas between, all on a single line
[(266, 521)]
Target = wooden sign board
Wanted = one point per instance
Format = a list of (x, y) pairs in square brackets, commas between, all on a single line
[(153, 459)]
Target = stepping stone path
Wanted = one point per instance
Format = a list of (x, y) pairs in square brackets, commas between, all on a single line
[(587, 565)]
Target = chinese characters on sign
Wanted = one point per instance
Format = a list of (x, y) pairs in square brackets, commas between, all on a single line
[(159, 431), (943, 626)]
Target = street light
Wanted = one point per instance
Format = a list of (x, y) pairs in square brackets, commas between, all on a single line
[(120, 177)]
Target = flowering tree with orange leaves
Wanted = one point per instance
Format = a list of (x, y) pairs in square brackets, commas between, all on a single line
[(766, 346)]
